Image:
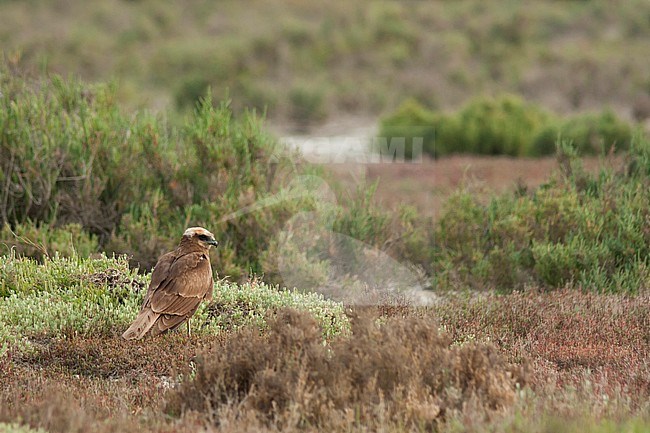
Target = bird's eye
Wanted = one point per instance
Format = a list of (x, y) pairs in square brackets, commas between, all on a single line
[(204, 237)]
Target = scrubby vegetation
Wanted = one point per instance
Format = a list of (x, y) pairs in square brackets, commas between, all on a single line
[(400, 373), (537, 315), (82, 177), (70, 157), (518, 362), (504, 126), (78, 174), (70, 297), (305, 62), (581, 230)]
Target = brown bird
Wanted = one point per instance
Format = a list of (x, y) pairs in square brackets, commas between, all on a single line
[(180, 281)]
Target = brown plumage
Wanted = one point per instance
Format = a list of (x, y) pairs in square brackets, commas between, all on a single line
[(180, 281)]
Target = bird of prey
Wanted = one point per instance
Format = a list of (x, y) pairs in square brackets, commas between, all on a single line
[(180, 281)]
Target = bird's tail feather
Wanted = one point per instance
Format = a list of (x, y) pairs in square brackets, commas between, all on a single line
[(141, 324)]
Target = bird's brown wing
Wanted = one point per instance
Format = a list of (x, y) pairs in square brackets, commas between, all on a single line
[(159, 275), (187, 282)]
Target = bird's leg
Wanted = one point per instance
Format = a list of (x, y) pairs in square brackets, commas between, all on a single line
[(189, 333)]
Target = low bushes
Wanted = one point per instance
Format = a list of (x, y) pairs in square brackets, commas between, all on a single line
[(64, 297), (78, 174), (582, 357), (32, 240), (579, 229), (591, 133), (504, 126), (400, 373), (82, 177)]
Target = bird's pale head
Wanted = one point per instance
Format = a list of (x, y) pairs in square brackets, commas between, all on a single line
[(200, 236)]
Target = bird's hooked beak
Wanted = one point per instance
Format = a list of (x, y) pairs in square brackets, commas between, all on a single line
[(213, 242)]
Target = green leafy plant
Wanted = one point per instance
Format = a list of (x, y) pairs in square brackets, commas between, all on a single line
[(578, 229), (504, 125)]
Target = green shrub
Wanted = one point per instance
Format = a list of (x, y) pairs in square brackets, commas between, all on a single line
[(590, 133), (69, 158), (31, 240), (504, 126), (412, 121), (66, 296), (23, 276), (63, 150), (579, 229)]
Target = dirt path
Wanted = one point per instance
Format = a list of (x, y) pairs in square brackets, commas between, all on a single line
[(338, 142)]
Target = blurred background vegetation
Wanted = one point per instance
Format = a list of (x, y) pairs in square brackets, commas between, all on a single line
[(306, 62), (505, 126)]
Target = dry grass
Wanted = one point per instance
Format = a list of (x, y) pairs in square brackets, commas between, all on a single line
[(566, 334), (401, 373), (95, 384), (491, 363)]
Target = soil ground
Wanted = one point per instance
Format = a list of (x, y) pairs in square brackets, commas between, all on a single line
[(428, 184)]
